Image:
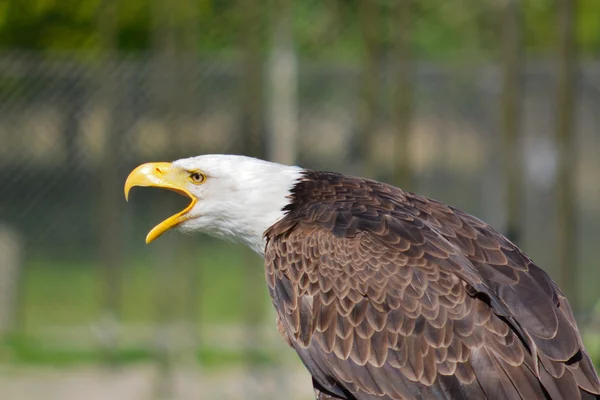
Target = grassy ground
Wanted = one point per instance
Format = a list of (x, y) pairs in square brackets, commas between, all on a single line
[(207, 285), (180, 292), (215, 289)]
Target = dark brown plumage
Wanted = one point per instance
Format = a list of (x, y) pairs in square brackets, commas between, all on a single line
[(388, 295)]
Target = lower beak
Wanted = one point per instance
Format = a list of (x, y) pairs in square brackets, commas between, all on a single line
[(162, 175)]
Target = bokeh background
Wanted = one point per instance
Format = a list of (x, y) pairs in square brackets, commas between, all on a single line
[(492, 106)]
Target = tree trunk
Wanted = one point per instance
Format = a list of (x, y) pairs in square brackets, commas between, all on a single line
[(186, 103), (368, 104), (403, 95), (108, 173), (164, 102), (566, 188), (283, 112), (511, 118), (252, 102)]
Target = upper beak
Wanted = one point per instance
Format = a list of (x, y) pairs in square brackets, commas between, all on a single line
[(162, 175)]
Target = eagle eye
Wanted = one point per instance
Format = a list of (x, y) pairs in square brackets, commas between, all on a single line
[(197, 177)]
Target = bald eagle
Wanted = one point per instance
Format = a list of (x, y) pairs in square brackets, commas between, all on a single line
[(385, 294)]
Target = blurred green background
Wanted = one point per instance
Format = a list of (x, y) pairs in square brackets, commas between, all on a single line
[(491, 106)]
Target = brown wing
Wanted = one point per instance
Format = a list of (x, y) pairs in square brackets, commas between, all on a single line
[(429, 304), (537, 307)]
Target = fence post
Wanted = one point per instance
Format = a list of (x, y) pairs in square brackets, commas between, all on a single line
[(10, 271)]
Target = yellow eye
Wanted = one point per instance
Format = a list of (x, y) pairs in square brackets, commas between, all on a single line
[(197, 177)]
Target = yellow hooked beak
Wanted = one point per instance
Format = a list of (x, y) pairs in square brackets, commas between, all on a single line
[(162, 175)]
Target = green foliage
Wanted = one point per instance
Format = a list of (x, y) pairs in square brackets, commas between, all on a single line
[(588, 26), (47, 24), (135, 25), (322, 29)]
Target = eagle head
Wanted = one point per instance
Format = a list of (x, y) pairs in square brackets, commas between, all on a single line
[(232, 197)]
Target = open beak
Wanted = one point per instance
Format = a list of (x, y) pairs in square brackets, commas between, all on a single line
[(162, 175)]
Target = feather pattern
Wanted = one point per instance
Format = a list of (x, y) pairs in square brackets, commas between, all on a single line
[(388, 295)]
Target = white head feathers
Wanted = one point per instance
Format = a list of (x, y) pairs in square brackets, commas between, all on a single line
[(240, 198)]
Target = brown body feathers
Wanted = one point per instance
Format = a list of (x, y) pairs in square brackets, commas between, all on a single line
[(388, 295)]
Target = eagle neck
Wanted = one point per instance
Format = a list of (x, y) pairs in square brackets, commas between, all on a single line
[(266, 200)]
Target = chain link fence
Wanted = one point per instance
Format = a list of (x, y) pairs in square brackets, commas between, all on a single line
[(191, 312)]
